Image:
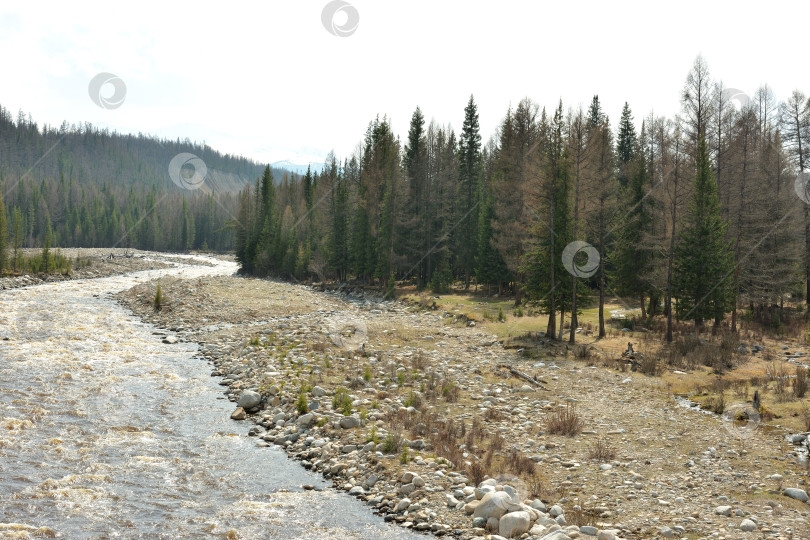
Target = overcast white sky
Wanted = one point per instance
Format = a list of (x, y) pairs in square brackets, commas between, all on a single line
[(268, 81)]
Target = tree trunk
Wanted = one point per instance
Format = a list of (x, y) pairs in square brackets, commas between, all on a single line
[(643, 311), (573, 312)]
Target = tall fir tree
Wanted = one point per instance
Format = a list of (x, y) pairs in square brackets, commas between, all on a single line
[(3, 234), (704, 261), (625, 144), (469, 179)]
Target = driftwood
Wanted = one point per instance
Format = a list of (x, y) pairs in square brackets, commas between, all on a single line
[(521, 375)]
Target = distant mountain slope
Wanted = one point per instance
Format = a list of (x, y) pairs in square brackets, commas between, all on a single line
[(297, 168), (86, 154)]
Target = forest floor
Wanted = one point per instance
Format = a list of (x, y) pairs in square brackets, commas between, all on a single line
[(436, 373)]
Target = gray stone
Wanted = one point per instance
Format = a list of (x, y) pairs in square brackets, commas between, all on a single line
[(555, 511), (666, 532), (402, 505), (606, 535), (555, 535), (480, 491), (349, 422), (249, 399), (589, 530), (492, 523), (796, 493), (170, 340), (452, 502), (747, 525), (514, 524), (479, 522), (470, 507), (357, 490), (723, 511), (407, 477), (406, 489), (317, 391), (370, 481), (537, 504), (495, 504), (306, 420)]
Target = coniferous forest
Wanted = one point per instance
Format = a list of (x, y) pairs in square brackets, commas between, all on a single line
[(697, 216), (79, 186)]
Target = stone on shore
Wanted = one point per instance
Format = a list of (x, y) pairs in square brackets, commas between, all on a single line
[(238, 414), (249, 399)]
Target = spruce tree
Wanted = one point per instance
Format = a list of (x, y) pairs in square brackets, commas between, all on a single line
[(704, 261), (3, 234), (469, 177), (625, 144), (630, 258)]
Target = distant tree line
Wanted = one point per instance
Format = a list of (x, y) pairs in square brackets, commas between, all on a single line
[(84, 187), (694, 216)]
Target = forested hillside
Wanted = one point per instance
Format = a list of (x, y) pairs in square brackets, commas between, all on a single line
[(696, 216), (84, 187)]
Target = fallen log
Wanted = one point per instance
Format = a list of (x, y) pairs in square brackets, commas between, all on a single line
[(524, 376)]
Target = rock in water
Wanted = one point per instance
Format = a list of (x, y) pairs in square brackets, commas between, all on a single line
[(249, 399), (171, 340)]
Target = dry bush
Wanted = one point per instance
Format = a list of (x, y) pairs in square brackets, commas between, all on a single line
[(601, 450), (649, 365), (518, 463), (493, 414), (496, 442), (800, 384), (537, 486), (805, 414), (579, 517), (419, 361), (717, 404), (564, 421), (476, 472), (685, 344), (740, 389), (778, 374), (582, 352), (450, 391)]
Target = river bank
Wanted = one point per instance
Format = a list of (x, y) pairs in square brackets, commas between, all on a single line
[(381, 376), (109, 430), (95, 263)]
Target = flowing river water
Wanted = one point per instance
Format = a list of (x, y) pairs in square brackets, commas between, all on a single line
[(106, 432)]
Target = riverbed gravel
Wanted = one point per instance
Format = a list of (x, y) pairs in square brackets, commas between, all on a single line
[(417, 413)]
